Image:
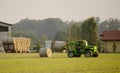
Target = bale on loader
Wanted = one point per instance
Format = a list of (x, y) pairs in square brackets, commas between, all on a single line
[(45, 52), (59, 46)]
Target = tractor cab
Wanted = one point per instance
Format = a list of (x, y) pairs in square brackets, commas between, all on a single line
[(80, 45)]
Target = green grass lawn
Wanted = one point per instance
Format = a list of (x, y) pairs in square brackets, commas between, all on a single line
[(58, 63)]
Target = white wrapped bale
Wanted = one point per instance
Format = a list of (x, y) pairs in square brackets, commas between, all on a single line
[(59, 46), (45, 52)]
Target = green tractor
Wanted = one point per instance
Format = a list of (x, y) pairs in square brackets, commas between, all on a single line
[(76, 49)]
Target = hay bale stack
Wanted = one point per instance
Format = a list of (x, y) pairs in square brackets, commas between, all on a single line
[(20, 44), (59, 46), (45, 52)]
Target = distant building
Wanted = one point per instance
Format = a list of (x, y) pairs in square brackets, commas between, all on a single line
[(5, 31), (107, 38)]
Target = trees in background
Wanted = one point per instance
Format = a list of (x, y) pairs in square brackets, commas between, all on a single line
[(39, 29), (114, 46), (89, 31), (56, 29), (61, 36), (38, 46), (74, 32), (109, 24)]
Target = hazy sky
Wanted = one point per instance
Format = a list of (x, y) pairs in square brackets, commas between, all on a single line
[(12, 11)]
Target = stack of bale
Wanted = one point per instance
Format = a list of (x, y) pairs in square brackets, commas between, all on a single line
[(19, 44)]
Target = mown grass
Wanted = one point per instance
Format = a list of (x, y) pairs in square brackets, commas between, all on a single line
[(58, 63)]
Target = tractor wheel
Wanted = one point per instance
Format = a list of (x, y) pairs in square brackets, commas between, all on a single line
[(96, 54), (70, 54), (88, 53)]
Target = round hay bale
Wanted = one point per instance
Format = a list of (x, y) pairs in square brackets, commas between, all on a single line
[(59, 46), (45, 52)]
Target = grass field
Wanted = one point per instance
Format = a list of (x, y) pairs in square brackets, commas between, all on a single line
[(58, 63)]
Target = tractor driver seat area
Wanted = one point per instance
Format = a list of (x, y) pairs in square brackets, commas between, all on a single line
[(78, 47)]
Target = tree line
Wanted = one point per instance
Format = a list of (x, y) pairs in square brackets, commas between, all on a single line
[(57, 29)]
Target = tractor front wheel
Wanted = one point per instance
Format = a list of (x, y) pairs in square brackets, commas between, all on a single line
[(88, 53), (70, 54)]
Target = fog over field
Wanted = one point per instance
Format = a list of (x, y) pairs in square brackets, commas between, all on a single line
[(14, 10)]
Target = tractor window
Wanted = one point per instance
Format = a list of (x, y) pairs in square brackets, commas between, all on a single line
[(78, 44), (81, 44)]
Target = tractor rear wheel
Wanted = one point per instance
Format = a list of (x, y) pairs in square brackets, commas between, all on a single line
[(88, 53), (70, 54)]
